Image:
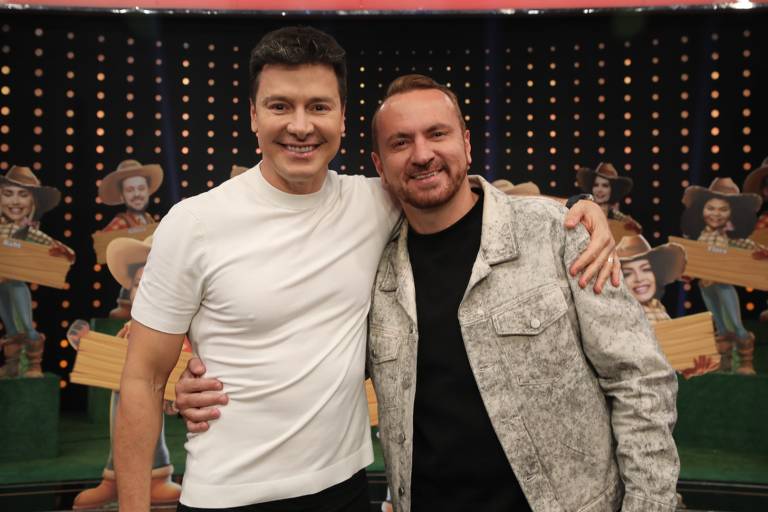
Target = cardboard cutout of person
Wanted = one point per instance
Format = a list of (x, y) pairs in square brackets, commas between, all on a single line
[(126, 258), (131, 184), (721, 216), (527, 188), (757, 183), (23, 201), (608, 189)]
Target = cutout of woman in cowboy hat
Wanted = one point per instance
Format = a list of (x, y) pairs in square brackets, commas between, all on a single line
[(608, 189), (647, 271), (23, 201), (721, 216), (131, 184), (126, 258), (757, 183)]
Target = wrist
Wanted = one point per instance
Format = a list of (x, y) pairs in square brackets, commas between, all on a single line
[(578, 197)]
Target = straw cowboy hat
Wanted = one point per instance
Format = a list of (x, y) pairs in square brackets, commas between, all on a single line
[(237, 170), (109, 189), (754, 182), (620, 185), (124, 253), (667, 261), (528, 188), (722, 188), (46, 198)]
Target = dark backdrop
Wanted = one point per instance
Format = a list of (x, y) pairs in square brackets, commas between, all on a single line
[(670, 98)]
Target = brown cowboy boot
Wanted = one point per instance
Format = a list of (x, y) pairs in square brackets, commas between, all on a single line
[(99, 496), (162, 490), (725, 349), (12, 353), (34, 350), (746, 349)]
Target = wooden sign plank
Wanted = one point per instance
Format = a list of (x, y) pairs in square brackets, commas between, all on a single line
[(31, 263), (686, 338), (101, 239), (618, 230), (723, 265), (100, 360), (373, 405), (760, 236)]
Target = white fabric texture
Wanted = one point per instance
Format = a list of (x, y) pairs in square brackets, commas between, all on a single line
[(273, 290)]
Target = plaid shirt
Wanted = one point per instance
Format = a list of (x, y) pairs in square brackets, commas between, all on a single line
[(655, 311), (34, 235), (717, 238), (125, 220)]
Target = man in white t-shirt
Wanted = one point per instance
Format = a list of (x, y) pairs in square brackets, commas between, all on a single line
[(270, 275)]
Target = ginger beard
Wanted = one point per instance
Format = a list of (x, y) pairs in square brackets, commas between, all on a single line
[(423, 154), (135, 192)]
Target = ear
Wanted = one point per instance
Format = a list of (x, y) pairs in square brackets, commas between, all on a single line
[(467, 147), (379, 169), (254, 119)]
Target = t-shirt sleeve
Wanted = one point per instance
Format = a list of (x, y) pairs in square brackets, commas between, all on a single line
[(171, 289)]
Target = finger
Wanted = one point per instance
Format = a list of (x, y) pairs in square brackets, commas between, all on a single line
[(605, 273), (616, 272), (196, 366), (203, 399), (595, 266), (200, 415), (573, 216), (597, 245), (196, 428), (191, 384)]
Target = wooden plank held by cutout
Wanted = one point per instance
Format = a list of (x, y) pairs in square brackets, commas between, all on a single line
[(724, 265), (618, 230), (100, 360), (373, 406), (760, 236), (31, 263), (686, 339), (101, 239)]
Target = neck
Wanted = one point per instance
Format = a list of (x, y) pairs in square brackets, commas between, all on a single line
[(136, 213), (433, 220), (304, 185)]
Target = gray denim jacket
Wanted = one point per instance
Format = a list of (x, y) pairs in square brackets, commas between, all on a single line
[(578, 392)]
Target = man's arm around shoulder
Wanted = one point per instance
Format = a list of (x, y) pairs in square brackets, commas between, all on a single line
[(639, 385), (151, 357)]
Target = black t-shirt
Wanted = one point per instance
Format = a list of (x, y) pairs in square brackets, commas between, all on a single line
[(458, 462)]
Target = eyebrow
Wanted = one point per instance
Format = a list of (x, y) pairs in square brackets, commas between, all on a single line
[(434, 127), (286, 99)]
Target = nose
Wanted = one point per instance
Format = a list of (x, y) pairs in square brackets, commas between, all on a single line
[(422, 154), (300, 125)]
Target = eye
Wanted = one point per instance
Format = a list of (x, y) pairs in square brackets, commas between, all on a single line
[(320, 107), (278, 107)]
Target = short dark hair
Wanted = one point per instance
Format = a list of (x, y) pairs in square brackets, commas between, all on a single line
[(414, 82), (294, 46)]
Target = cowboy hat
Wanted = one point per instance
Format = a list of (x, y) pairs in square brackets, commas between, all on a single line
[(109, 188), (125, 253), (46, 198), (620, 185), (722, 188), (667, 261), (528, 188), (754, 182), (237, 170)]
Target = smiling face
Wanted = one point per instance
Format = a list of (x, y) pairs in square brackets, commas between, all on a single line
[(16, 203), (423, 153), (717, 213), (601, 190), (135, 193), (298, 119), (640, 279)]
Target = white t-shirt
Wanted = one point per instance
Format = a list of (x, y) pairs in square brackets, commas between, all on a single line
[(274, 290)]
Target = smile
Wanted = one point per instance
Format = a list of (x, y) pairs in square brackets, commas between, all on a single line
[(425, 175), (639, 290), (302, 150)]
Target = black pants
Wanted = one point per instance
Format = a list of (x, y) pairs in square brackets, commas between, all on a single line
[(348, 496)]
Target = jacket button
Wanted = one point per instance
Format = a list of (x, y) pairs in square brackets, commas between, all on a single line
[(401, 438), (373, 352), (535, 323), (401, 491)]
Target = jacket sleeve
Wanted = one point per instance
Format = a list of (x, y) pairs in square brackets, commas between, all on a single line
[(639, 385)]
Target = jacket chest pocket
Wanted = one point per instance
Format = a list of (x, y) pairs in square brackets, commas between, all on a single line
[(384, 356), (534, 335)]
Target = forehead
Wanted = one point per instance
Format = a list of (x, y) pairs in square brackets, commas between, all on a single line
[(716, 202), (599, 180), (14, 189), (636, 264), (135, 180), (417, 110), (298, 82)]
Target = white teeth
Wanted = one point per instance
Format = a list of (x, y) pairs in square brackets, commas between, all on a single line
[(425, 176), (300, 149)]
